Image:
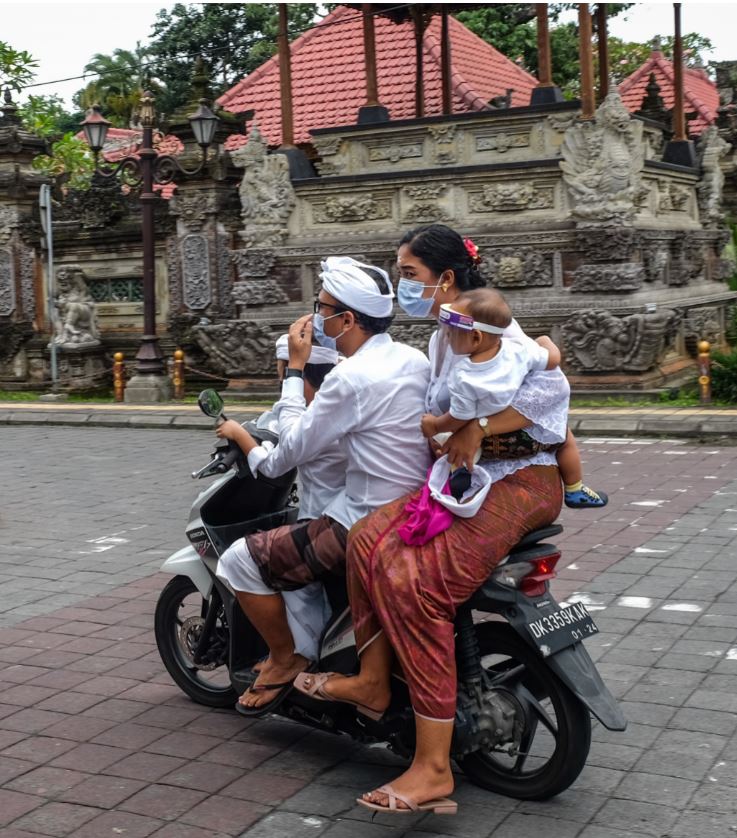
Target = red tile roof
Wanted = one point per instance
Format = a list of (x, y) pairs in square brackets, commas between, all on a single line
[(699, 91), (329, 78)]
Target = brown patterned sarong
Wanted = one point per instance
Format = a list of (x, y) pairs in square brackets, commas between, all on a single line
[(294, 555), (412, 592)]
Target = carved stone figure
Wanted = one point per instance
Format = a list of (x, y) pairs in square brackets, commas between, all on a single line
[(656, 264), (266, 192), (607, 245), (7, 283), (711, 150), (601, 165), (76, 323), (236, 347), (704, 324), (258, 292), (672, 197), (425, 207), (687, 260), (193, 209), (597, 341)]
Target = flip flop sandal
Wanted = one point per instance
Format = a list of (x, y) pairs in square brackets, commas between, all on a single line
[(438, 806), (313, 685), (284, 689)]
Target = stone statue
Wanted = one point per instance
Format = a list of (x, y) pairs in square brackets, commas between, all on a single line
[(597, 341), (76, 322), (266, 193), (711, 150), (602, 162), (237, 347)]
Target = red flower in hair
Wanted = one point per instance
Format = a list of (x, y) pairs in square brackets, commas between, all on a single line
[(472, 251)]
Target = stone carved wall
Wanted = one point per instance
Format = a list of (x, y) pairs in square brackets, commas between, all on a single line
[(608, 277), (413, 333), (597, 341), (352, 209), (711, 184), (422, 204), (512, 197), (195, 252), (517, 268), (7, 283), (602, 164), (704, 323), (236, 348)]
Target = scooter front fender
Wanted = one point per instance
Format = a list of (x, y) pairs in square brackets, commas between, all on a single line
[(186, 562)]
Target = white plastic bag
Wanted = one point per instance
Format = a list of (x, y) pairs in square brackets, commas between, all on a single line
[(472, 498)]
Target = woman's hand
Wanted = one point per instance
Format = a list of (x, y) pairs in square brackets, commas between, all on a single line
[(428, 425), (462, 446), (300, 342), (229, 429)]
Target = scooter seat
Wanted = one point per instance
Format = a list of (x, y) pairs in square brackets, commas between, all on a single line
[(536, 536)]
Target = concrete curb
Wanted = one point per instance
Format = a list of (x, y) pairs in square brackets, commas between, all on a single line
[(707, 425)]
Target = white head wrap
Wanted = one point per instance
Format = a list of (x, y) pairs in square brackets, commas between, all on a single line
[(343, 279), (318, 355)]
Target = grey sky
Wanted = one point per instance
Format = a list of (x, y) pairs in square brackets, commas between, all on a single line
[(64, 36)]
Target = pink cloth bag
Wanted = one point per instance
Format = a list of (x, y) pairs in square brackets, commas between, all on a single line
[(427, 518)]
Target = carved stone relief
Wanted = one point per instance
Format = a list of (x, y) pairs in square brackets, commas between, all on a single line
[(253, 264), (415, 334), (656, 264), (8, 222), (607, 245), (512, 197), (687, 260), (258, 292), (502, 141), (266, 192), (597, 341), (425, 206), (601, 276), (236, 347), (196, 271), (173, 275), (704, 324), (193, 208), (350, 209), (328, 147), (445, 150), (7, 283), (672, 197), (395, 152), (602, 164), (27, 282), (711, 184), (517, 268), (225, 299), (13, 334)]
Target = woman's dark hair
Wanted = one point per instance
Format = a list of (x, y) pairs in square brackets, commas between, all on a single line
[(372, 325), (315, 373), (442, 249)]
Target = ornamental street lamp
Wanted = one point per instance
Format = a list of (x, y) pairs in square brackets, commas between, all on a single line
[(146, 168)]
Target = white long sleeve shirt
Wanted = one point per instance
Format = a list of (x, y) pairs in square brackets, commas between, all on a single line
[(372, 403)]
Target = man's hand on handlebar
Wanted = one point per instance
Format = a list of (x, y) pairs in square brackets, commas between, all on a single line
[(462, 446), (230, 429)]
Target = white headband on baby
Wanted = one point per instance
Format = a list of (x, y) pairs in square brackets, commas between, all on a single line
[(318, 355), (343, 279)]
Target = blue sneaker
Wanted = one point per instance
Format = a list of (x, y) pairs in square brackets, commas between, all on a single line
[(585, 497)]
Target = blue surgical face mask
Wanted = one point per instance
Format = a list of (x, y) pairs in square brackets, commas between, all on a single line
[(318, 331), (410, 299)]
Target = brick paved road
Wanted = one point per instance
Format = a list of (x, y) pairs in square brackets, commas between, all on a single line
[(95, 741)]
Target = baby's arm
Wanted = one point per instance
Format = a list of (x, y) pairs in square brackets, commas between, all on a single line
[(230, 429), (554, 356), (432, 425)]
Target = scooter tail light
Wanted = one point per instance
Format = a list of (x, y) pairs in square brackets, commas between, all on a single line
[(542, 571)]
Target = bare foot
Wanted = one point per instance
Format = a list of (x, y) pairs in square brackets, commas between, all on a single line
[(272, 672), (417, 784), (357, 690)]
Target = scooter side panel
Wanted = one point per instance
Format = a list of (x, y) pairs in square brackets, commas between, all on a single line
[(186, 562)]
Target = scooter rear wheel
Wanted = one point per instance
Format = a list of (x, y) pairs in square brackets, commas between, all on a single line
[(557, 736), (180, 611)]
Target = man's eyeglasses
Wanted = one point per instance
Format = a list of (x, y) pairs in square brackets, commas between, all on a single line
[(318, 304)]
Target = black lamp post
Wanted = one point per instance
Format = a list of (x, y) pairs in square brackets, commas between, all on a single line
[(145, 169)]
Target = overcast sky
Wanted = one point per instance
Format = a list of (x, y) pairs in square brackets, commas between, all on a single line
[(64, 36)]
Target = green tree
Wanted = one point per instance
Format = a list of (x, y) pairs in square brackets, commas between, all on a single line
[(232, 38), (16, 67), (120, 79), (70, 162), (47, 116)]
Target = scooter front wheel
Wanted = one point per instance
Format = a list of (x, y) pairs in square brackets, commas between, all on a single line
[(180, 616)]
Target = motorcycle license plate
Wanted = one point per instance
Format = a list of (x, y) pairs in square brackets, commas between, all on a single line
[(555, 630)]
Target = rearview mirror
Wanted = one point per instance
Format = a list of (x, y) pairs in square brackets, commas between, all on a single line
[(211, 403)]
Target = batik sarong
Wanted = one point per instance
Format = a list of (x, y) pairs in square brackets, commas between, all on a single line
[(412, 592)]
